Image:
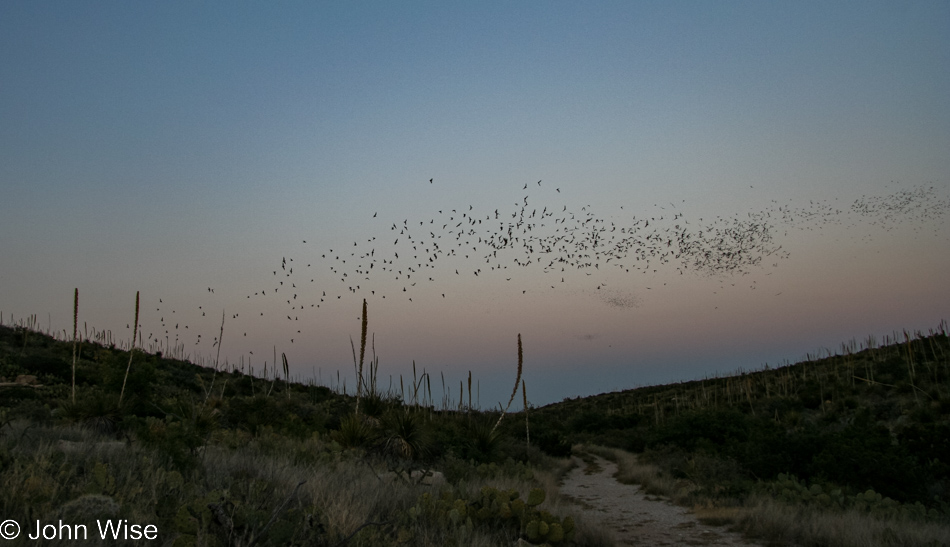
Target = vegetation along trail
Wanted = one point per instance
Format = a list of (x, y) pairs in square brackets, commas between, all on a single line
[(634, 517)]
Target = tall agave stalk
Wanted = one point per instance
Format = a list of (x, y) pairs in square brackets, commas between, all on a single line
[(286, 373), (527, 431), (359, 369), (214, 375), (135, 332), (415, 385), (517, 382), (75, 327), (910, 365)]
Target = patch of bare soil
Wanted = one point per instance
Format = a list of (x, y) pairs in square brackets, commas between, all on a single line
[(635, 518)]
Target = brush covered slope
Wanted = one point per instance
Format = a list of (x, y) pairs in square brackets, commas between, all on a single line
[(867, 428), (227, 458)]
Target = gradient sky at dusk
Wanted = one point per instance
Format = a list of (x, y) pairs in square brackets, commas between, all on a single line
[(169, 147)]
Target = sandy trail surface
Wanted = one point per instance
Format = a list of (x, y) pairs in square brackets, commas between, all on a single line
[(635, 518)]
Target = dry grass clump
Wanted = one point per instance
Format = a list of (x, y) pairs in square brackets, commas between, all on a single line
[(649, 476), (342, 495), (547, 477), (780, 522), (247, 489), (719, 516)]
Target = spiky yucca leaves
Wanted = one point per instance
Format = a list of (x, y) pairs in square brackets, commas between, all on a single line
[(96, 411), (354, 432), (373, 407), (484, 438), (407, 436), (135, 333)]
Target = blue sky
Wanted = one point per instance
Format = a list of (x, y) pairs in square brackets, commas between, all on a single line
[(172, 147)]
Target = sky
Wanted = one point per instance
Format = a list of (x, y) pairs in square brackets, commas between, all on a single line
[(646, 192)]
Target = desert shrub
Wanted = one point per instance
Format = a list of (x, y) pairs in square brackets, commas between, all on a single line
[(181, 374), (811, 394), (634, 440), (179, 436), (496, 509), (594, 421), (860, 455), (141, 375), (44, 363), (708, 430), (864, 456), (930, 444), (772, 449), (892, 370), (553, 443), (251, 413)]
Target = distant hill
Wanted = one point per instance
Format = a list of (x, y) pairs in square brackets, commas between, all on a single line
[(870, 416)]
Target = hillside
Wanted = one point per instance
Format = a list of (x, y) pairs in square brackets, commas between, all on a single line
[(872, 416), (218, 457), (227, 458)]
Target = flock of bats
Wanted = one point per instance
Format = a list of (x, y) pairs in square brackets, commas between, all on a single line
[(414, 257)]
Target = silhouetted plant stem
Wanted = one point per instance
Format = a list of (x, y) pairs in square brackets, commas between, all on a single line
[(135, 332), (218, 356), (359, 370), (527, 431), (75, 328), (515, 390)]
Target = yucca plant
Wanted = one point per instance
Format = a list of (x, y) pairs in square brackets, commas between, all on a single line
[(95, 411), (354, 432), (373, 406), (406, 434), (483, 438)]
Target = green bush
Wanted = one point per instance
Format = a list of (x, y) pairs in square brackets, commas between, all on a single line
[(497, 508), (553, 443), (706, 429)]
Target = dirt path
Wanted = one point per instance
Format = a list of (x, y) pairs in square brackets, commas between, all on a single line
[(635, 518)]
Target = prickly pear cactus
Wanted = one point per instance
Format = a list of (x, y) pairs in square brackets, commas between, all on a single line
[(536, 497), (531, 531)]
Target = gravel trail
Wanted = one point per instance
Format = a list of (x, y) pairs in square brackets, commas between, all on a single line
[(635, 518)]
